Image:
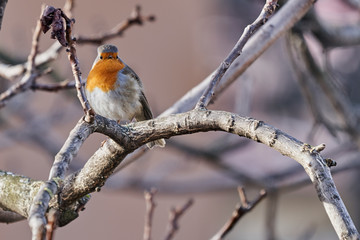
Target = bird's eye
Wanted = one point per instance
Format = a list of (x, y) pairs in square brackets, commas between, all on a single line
[(101, 57)]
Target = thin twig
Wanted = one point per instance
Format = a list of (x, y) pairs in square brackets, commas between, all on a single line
[(150, 206), (66, 84), (266, 12), (31, 73), (71, 50), (239, 212), (136, 18), (175, 214)]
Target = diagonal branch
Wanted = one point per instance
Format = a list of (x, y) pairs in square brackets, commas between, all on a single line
[(285, 19), (136, 18), (175, 214), (266, 12), (238, 213), (31, 73)]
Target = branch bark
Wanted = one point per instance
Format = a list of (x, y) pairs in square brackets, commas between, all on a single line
[(100, 166), (128, 138)]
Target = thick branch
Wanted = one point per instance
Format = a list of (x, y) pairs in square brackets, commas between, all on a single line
[(17, 192), (101, 165)]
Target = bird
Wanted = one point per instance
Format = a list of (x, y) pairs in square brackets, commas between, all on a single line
[(115, 91)]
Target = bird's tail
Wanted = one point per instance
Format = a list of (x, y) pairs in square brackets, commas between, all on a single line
[(156, 143)]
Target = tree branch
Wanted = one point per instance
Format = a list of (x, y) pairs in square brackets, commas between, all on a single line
[(101, 165), (150, 206), (239, 212), (71, 50), (175, 214), (284, 19), (61, 163), (128, 138), (136, 18), (31, 73), (266, 12)]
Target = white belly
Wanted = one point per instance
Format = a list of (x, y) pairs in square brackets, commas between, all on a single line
[(114, 105)]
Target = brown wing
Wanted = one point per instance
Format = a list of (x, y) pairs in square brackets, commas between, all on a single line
[(146, 112)]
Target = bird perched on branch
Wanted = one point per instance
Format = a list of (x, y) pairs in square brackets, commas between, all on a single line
[(115, 91)]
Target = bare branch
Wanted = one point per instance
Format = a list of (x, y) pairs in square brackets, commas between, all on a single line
[(136, 18), (339, 101), (175, 214), (150, 206), (101, 165), (266, 12), (31, 73), (66, 84), (285, 18), (12, 71), (239, 212), (61, 163)]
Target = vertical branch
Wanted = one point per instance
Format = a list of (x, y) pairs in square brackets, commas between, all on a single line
[(150, 206), (71, 50)]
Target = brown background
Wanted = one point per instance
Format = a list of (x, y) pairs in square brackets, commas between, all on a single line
[(173, 54)]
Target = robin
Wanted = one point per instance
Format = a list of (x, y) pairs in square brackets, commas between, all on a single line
[(115, 91)]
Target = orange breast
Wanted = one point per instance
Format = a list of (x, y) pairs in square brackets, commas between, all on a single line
[(104, 75)]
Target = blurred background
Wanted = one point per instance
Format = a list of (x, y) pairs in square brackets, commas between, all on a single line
[(184, 45)]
